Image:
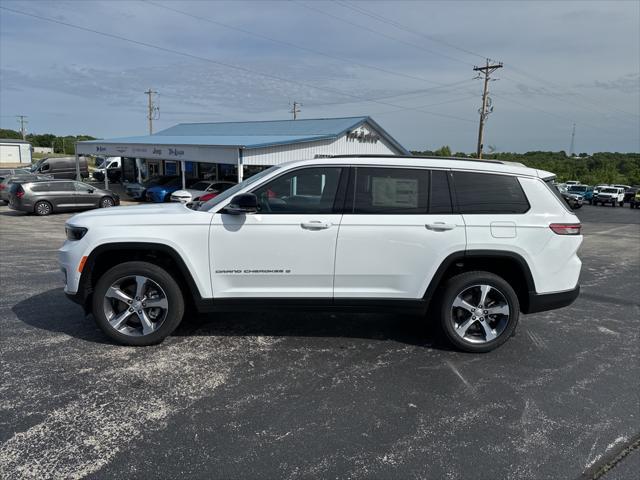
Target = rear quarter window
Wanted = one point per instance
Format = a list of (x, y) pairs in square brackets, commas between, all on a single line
[(486, 193)]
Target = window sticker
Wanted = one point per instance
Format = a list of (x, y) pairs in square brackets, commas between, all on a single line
[(394, 192)]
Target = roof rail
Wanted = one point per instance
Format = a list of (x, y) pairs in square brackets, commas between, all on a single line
[(433, 157)]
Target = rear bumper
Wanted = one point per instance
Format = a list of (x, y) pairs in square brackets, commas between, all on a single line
[(551, 301)]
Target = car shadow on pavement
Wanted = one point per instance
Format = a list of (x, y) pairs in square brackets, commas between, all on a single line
[(51, 311), (401, 328)]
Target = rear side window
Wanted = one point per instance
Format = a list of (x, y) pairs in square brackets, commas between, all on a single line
[(62, 187), (488, 193), (391, 191), (40, 187)]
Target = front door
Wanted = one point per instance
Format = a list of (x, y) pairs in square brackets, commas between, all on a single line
[(397, 228), (86, 196), (288, 248)]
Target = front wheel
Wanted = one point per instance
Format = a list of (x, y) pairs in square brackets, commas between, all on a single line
[(137, 303), (479, 311), (107, 202)]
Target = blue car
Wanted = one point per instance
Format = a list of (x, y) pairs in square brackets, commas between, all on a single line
[(585, 191), (162, 193)]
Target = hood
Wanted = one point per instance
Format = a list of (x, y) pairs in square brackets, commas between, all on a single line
[(154, 214)]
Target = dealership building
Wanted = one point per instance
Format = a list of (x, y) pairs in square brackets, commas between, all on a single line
[(233, 150)]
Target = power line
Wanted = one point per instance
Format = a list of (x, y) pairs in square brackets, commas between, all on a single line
[(399, 26), (226, 65), (294, 45), (376, 32), (405, 28)]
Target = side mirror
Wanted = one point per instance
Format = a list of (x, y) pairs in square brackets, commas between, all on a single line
[(90, 190), (242, 203)]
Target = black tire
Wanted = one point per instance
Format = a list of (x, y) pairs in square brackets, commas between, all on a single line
[(164, 279), (106, 202), (613, 204), (461, 283), (42, 208)]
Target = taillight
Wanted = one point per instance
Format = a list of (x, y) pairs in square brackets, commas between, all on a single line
[(566, 228), (2, 186)]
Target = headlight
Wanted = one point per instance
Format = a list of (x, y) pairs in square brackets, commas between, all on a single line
[(75, 233)]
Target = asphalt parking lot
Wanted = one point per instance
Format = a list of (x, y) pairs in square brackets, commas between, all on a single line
[(290, 395)]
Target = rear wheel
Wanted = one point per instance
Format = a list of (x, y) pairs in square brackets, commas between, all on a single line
[(137, 303), (479, 311), (42, 208)]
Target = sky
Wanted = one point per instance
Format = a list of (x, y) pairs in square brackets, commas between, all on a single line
[(407, 64)]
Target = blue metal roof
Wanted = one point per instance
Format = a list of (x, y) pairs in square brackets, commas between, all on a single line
[(307, 128), (253, 134)]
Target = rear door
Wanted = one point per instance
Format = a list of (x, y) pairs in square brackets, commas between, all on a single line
[(397, 228), (62, 195), (494, 208)]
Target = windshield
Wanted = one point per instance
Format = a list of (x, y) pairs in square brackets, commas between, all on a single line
[(236, 188), (609, 190), (35, 166), (576, 188)]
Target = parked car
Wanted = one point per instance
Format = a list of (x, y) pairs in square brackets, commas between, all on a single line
[(198, 189), (7, 182), (630, 193), (635, 201), (597, 189), (50, 196), (162, 193), (342, 232), (583, 190), (574, 200), (138, 191), (6, 172), (610, 196), (113, 167), (572, 182), (624, 187), (61, 167)]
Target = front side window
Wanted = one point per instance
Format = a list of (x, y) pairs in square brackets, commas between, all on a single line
[(304, 191), (489, 193)]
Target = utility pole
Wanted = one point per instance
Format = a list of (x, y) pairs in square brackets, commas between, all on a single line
[(487, 108), (153, 111), (22, 119), (573, 141), (295, 110)]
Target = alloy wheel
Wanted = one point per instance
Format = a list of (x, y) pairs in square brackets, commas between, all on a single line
[(43, 208), (480, 313), (135, 305)]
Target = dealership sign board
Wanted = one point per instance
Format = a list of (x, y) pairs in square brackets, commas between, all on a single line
[(190, 153)]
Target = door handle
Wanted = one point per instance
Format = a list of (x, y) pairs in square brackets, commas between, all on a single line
[(315, 225), (440, 226)]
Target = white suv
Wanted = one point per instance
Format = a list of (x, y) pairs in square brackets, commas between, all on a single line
[(477, 241)]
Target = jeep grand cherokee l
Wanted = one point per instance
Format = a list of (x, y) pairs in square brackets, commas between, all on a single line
[(470, 244)]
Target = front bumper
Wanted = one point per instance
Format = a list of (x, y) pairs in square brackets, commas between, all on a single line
[(542, 302)]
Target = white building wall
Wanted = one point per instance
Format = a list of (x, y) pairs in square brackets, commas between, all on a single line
[(304, 151)]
